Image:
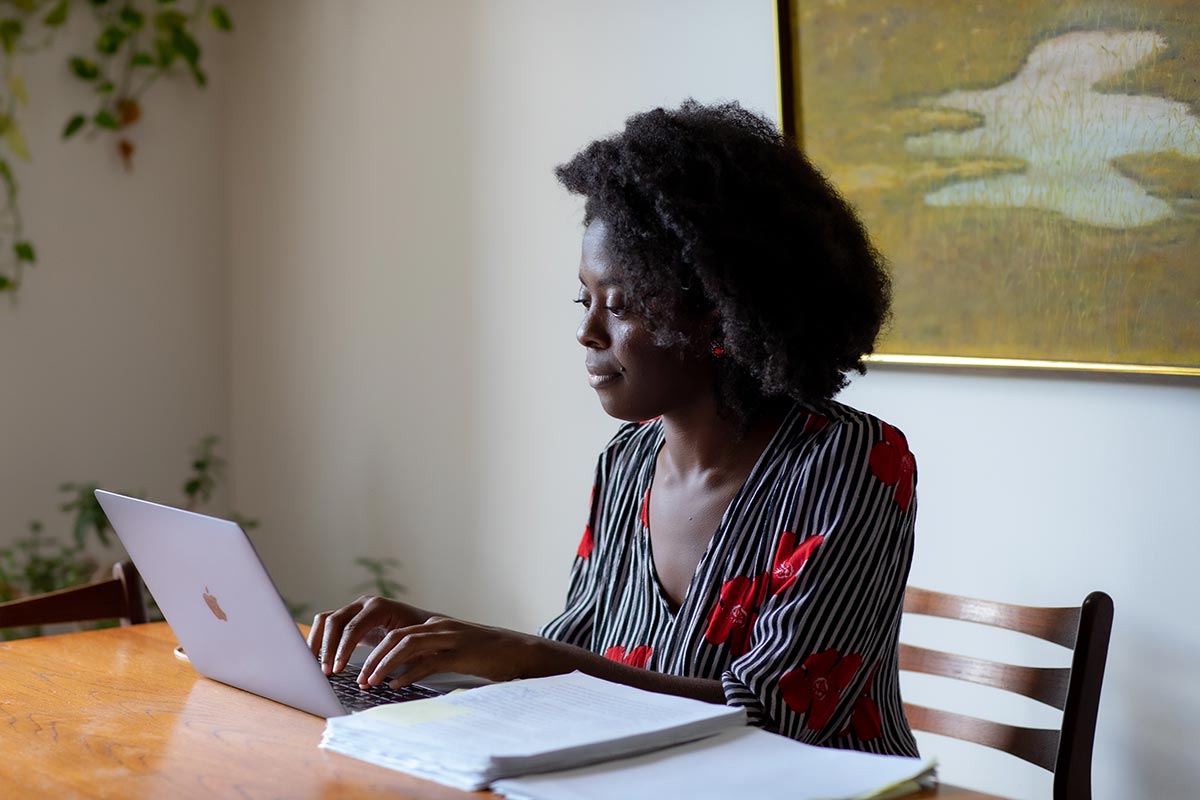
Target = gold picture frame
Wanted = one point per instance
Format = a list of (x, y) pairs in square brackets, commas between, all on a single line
[(1013, 245)]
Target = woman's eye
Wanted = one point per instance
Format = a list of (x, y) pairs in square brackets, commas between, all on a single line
[(586, 302), (617, 311)]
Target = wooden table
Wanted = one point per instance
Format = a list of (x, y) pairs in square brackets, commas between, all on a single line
[(113, 713)]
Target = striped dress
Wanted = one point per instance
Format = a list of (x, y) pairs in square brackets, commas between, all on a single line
[(795, 604)]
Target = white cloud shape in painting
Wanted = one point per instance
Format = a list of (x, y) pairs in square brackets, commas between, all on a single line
[(1049, 116)]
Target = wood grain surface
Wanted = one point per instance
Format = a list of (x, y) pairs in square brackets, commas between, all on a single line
[(113, 714)]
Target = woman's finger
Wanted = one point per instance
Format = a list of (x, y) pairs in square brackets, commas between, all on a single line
[(332, 633), (403, 647), (355, 631), (315, 633)]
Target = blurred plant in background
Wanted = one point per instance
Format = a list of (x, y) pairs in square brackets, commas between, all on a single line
[(381, 581), (38, 563), (137, 42)]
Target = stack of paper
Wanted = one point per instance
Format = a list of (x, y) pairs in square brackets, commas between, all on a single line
[(746, 762), (469, 739)]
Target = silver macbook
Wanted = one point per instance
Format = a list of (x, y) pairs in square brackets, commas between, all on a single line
[(221, 604)]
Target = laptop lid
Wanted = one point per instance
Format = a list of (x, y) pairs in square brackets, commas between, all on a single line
[(215, 593)]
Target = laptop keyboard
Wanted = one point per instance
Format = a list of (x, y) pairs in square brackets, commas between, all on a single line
[(345, 686)]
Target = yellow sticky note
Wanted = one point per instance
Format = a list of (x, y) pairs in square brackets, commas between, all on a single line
[(415, 712)]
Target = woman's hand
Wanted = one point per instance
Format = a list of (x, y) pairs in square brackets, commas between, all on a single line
[(335, 634), (424, 643), (440, 644)]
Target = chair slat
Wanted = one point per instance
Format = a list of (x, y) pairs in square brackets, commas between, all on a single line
[(1036, 745), (1046, 684), (94, 601), (120, 597), (1058, 625)]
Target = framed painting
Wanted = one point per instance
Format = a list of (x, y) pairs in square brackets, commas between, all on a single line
[(1030, 169)]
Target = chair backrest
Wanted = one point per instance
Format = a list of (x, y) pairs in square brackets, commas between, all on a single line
[(119, 597), (1075, 691)]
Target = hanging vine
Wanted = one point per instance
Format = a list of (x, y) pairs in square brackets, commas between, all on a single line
[(136, 43)]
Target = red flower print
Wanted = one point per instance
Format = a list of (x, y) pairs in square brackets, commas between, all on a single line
[(734, 614), (817, 686), (637, 657), (644, 514), (814, 423), (586, 543), (790, 559), (893, 464), (865, 719)]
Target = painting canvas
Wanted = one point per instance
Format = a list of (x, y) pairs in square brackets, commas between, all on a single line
[(1030, 168)]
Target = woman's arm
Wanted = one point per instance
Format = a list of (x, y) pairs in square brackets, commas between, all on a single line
[(405, 636)]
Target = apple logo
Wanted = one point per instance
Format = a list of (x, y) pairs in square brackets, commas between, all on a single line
[(214, 606)]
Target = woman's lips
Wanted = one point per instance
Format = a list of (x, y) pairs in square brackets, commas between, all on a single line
[(602, 379)]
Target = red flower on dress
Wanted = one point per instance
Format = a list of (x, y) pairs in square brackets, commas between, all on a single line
[(644, 514), (814, 423), (865, 719), (790, 559), (586, 543), (893, 464), (733, 616), (817, 686), (637, 657)]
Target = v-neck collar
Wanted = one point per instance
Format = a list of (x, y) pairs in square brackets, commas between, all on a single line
[(752, 478)]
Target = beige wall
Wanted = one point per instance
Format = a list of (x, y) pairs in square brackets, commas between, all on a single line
[(113, 362)]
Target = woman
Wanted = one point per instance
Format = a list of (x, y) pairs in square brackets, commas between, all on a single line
[(751, 542)]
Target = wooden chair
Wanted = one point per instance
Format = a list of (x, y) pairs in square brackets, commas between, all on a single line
[(119, 597), (1075, 690)]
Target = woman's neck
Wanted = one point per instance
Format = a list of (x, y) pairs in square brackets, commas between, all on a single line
[(699, 440)]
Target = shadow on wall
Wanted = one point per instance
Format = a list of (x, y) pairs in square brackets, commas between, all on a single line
[(1159, 716)]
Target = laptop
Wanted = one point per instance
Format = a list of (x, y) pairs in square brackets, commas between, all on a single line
[(215, 593)]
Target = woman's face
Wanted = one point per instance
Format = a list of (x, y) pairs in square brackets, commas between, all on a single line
[(636, 378)]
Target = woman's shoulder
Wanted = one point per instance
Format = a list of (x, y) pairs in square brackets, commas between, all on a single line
[(831, 427)]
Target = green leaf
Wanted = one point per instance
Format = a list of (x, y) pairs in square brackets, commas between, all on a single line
[(167, 21), (110, 40), (105, 88), (200, 77), (142, 59), (132, 18), (220, 18), (6, 175), (84, 69), (57, 15), (192, 487), (105, 119), (24, 251), (166, 53), (16, 141), (73, 125), (10, 32), (5, 284), (186, 46)]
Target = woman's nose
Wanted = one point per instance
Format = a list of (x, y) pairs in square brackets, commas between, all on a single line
[(591, 331)]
